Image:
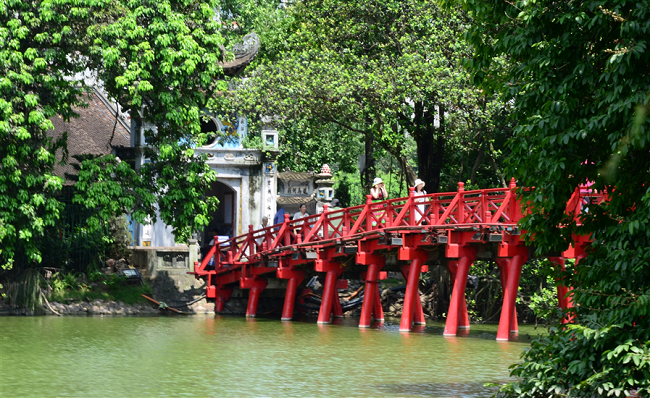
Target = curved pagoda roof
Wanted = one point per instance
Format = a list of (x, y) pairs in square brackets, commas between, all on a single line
[(245, 53)]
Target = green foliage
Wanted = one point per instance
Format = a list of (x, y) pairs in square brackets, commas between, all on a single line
[(374, 72), (264, 17), (111, 281), (115, 292), (41, 46), (158, 59), (254, 141), (306, 147), (349, 190), (577, 77), (94, 276), (536, 299), (62, 282), (543, 302)]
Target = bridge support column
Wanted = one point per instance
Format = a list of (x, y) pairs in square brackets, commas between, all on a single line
[(377, 311), (371, 307), (333, 270), (463, 317), (371, 296), (256, 287), (412, 309), (337, 308), (411, 295), (512, 270), (564, 293), (563, 297), (503, 275), (295, 277), (221, 296), (457, 314), (418, 312)]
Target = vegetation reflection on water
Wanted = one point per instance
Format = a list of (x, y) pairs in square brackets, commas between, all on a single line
[(232, 357)]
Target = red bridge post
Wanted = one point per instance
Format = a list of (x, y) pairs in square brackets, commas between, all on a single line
[(337, 308), (457, 313), (256, 286), (333, 270), (411, 206), (512, 268), (418, 312), (503, 276), (463, 316), (222, 296), (295, 277), (377, 310), (563, 297), (460, 215), (371, 300), (369, 214), (412, 301), (576, 251)]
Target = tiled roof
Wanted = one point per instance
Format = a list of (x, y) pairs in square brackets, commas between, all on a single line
[(90, 133), (295, 175), (294, 200), (245, 53)]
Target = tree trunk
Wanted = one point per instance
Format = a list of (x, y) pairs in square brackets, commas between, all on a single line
[(407, 170), (430, 146), (477, 163), (368, 173), (436, 168), (495, 167)]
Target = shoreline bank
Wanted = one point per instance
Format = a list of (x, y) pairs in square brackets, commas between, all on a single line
[(97, 307)]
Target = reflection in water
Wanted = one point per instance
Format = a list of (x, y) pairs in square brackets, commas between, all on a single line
[(442, 390), (225, 356), (462, 332), (418, 329), (288, 327)]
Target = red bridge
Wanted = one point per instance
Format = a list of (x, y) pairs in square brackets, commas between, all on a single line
[(454, 228)]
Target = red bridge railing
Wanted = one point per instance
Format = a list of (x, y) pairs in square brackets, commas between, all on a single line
[(496, 206)]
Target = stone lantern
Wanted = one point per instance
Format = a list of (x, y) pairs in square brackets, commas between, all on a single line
[(324, 190)]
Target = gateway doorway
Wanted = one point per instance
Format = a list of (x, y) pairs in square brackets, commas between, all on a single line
[(223, 220)]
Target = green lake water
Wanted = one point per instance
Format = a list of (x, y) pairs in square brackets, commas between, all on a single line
[(208, 356)]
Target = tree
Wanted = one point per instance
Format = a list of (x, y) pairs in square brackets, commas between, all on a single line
[(41, 47), (578, 79), (160, 62), (380, 70), (158, 59)]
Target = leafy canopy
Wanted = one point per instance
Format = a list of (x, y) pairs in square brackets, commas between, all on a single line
[(578, 79), (373, 70), (40, 47), (156, 58)]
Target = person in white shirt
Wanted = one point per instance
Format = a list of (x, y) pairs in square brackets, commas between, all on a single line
[(264, 224), (419, 191), (301, 214)]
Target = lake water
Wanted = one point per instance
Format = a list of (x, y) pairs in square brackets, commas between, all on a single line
[(223, 356)]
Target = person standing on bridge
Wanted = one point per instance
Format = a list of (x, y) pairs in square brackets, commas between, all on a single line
[(419, 191), (261, 235), (378, 193), (301, 214), (378, 190)]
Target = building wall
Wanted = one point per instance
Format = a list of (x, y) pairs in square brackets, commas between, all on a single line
[(253, 181)]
